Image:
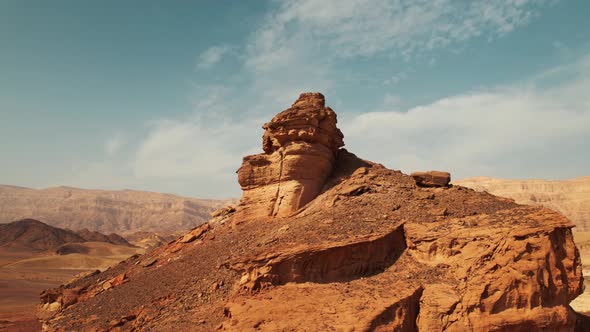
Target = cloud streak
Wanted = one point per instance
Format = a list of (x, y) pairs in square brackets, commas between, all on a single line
[(350, 28), (212, 56)]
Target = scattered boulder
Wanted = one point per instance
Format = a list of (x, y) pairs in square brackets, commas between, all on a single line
[(441, 211), (355, 190), (224, 211), (189, 237), (195, 233), (432, 178), (116, 281), (149, 262)]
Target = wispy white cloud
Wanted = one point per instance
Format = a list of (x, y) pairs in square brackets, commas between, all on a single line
[(114, 144), (513, 131), (204, 147), (303, 45), (391, 101), (348, 28), (212, 56)]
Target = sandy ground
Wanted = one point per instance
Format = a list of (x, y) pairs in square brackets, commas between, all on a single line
[(19, 295), (24, 275)]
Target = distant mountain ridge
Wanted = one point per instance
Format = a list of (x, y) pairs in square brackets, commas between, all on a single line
[(94, 236), (569, 197), (34, 235), (122, 211)]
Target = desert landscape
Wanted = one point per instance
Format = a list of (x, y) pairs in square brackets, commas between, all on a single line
[(35, 256), (298, 165), (317, 227), (121, 211), (246, 265)]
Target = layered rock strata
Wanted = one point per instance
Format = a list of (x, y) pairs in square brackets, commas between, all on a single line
[(105, 211), (300, 146)]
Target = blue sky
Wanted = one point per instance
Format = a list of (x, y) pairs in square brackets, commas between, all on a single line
[(168, 96)]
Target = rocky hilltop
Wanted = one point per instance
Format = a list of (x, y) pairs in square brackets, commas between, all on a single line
[(324, 241), (105, 211), (36, 236), (570, 197)]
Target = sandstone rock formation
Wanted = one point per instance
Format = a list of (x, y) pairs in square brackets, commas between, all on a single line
[(432, 178), (105, 211), (369, 251), (300, 146), (569, 197)]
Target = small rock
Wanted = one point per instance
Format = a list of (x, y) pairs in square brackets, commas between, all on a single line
[(424, 195), (188, 238), (149, 262), (118, 280), (355, 190), (245, 278), (175, 248), (224, 211), (107, 285), (360, 171), (439, 211)]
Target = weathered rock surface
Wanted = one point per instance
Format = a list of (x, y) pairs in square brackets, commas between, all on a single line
[(300, 146), (366, 254), (569, 197), (432, 178), (121, 212)]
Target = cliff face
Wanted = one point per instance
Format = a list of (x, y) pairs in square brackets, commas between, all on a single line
[(104, 211), (569, 197), (371, 250)]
